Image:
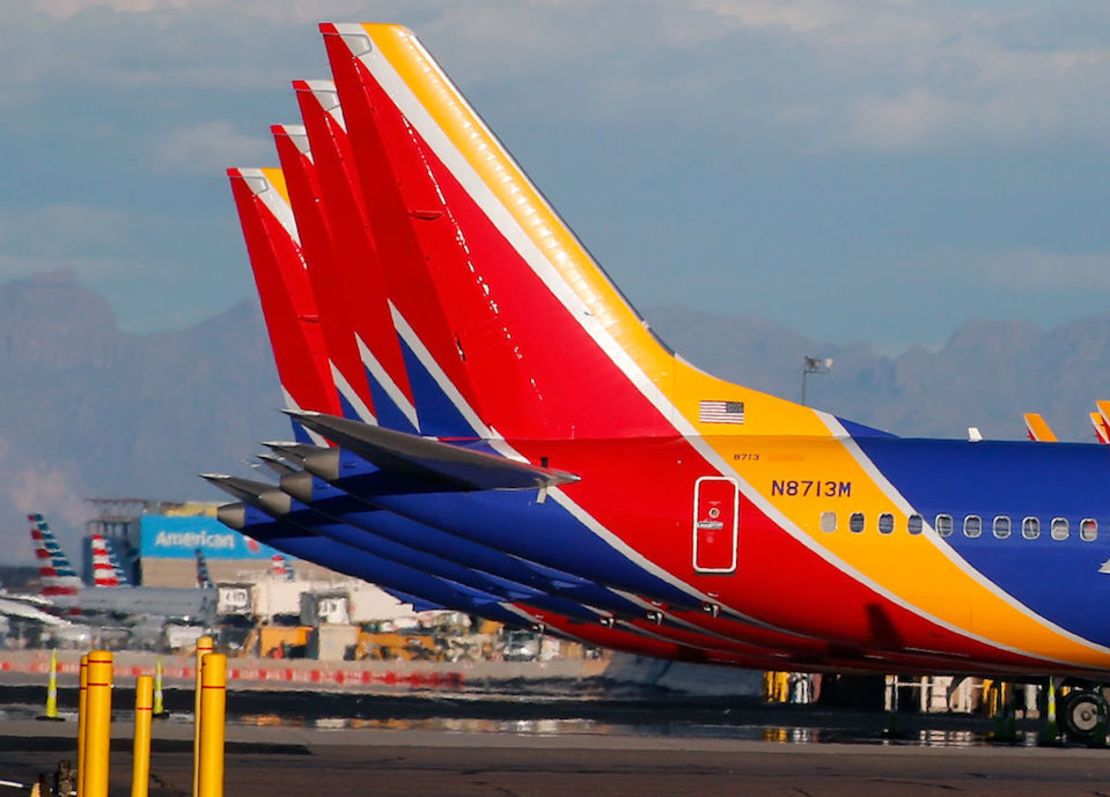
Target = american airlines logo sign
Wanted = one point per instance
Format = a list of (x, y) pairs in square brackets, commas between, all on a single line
[(193, 539), (170, 537)]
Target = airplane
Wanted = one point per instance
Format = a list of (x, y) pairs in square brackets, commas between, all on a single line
[(67, 594), (261, 214), (595, 449), (520, 272), (296, 158)]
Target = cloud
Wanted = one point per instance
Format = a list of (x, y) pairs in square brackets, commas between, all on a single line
[(823, 136), (61, 227), (1040, 272), (30, 485), (865, 74), (208, 148), (93, 241)]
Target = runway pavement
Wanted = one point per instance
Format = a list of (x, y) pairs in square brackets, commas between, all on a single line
[(303, 761)]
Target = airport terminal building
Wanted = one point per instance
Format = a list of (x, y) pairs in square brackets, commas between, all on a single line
[(158, 544), (169, 546)]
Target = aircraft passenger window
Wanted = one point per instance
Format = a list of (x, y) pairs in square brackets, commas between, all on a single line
[(855, 522), (973, 526), (1060, 528), (944, 525), (915, 523), (1002, 526), (828, 521), (1088, 529), (1031, 528), (886, 523)]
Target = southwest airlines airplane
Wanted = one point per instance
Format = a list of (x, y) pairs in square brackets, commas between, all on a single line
[(484, 422)]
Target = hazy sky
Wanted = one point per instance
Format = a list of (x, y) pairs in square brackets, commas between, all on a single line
[(856, 169)]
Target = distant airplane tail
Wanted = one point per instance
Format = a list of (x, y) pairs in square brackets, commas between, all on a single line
[(57, 574), (1102, 428), (121, 572), (281, 568), (204, 580), (105, 569), (1038, 429)]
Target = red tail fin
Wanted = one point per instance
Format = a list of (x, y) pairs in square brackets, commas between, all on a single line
[(288, 304), (318, 245), (357, 268), (512, 307)]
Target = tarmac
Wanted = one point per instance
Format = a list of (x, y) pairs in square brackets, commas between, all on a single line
[(310, 760)]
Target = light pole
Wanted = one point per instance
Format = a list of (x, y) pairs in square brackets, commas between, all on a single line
[(814, 365)]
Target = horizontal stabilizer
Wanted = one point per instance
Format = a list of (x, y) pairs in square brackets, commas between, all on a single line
[(234, 516), (261, 495), (293, 450), (276, 464), (464, 468)]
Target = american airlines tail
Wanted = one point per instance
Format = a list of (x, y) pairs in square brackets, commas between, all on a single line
[(105, 570), (281, 568), (204, 580), (57, 574)]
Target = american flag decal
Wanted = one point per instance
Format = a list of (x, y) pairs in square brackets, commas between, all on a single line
[(721, 412)]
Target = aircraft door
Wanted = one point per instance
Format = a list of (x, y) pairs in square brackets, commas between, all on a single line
[(716, 524)]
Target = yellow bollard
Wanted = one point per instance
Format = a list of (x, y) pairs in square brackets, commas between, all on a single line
[(782, 687), (98, 726), (82, 720), (204, 647), (213, 708), (51, 712), (158, 707), (1051, 728), (144, 711)]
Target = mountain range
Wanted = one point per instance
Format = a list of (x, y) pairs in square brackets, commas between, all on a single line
[(91, 410)]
